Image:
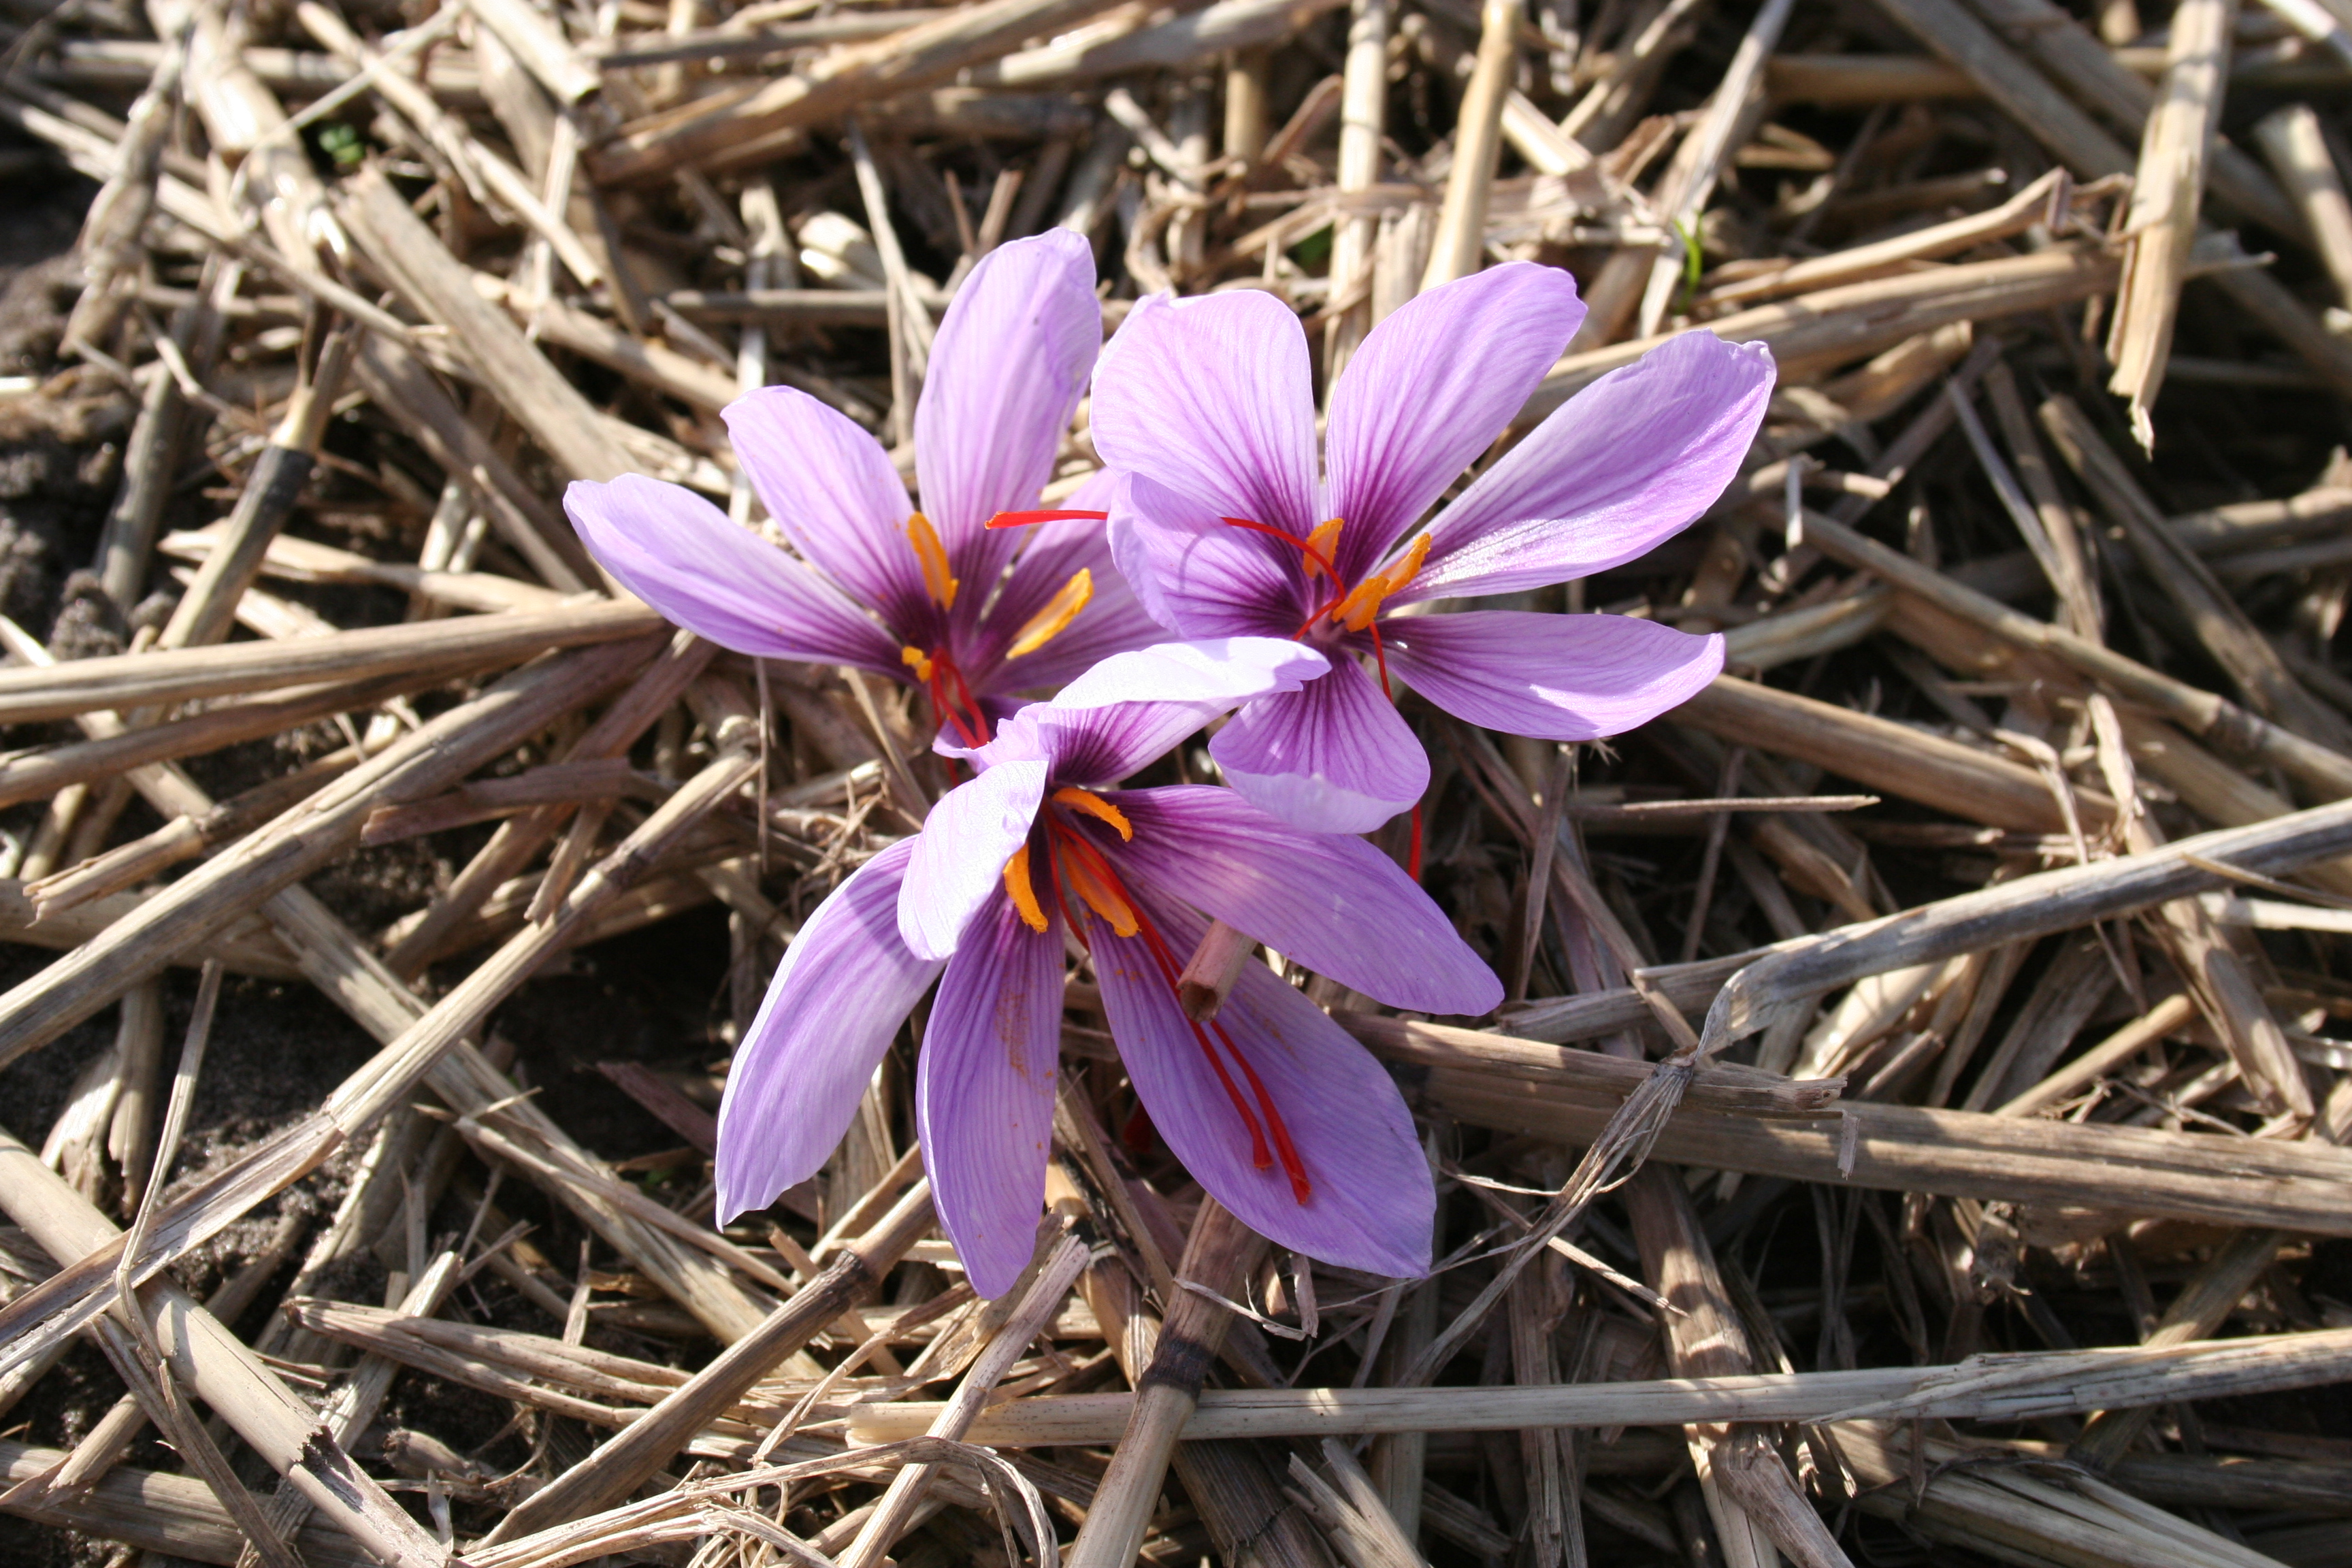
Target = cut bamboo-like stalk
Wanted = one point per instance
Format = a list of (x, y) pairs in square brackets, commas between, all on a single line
[(1220, 1253), (628, 1459), (2162, 220), (2297, 149), (2019, 1386), (1477, 143), (215, 1366), (135, 681), (207, 900), (914, 56)]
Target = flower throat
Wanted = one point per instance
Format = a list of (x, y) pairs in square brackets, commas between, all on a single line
[(1078, 867)]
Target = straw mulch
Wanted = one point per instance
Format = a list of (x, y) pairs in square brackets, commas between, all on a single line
[(1914, 1131)]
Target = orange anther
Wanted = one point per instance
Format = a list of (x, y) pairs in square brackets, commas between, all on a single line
[(1096, 806), (933, 557), (1059, 612), (1322, 545), (1022, 891)]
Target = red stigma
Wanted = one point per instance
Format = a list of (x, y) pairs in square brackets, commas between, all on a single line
[(1023, 519), (1067, 840)]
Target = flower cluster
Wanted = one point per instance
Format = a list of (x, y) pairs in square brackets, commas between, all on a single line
[(1207, 574)]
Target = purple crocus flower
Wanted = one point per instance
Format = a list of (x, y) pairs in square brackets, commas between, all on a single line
[(1275, 1109), (924, 597), (1206, 408)]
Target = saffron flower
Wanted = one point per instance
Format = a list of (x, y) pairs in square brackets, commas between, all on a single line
[(1274, 1109), (930, 598), (1205, 407)]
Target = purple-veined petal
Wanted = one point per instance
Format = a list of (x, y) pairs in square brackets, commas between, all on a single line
[(1213, 398), (1200, 575), (984, 1091), (1007, 368), (716, 578), (1370, 1200), (1114, 620), (1557, 678), (831, 488), (1129, 710), (960, 856), (1329, 900), (1430, 389), (1332, 757), (1626, 463), (845, 986)]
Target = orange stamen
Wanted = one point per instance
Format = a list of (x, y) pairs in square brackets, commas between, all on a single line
[(1096, 806), (1362, 604), (1055, 619), (933, 557), (1322, 545), (919, 661), (1023, 891), (1079, 853), (1087, 874)]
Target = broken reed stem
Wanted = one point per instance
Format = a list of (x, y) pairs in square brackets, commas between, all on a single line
[(1219, 1255), (2161, 222), (628, 1459), (1044, 1299)]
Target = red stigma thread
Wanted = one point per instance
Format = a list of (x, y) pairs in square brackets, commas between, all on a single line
[(1023, 519), (1293, 1166)]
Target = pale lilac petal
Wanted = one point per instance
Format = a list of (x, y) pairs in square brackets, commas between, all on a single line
[(716, 578), (1127, 710), (960, 856), (1006, 372), (1213, 398), (1332, 757), (845, 986), (1370, 1200), (1329, 900), (1430, 389), (984, 1091), (1557, 678), (831, 488), (1114, 620), (1626, 463), (1198, 574)]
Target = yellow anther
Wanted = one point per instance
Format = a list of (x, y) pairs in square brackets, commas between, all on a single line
[(1056, 617), (933, 557), (1362, 605), (1099, 896), (1096, 806), (1022, 891), (917, 660), (1323, 542)]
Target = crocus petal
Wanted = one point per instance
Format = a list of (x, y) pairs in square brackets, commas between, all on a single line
[(1332, 757), (1198, 574), (1129, 710), (1370, 1199), (960, 856), (1113, 621), (984, 1091), (1430, 389), (1557, 678), (831, 488), (1213, 398), (845, 986), (716, 578), (1331, 901), (1007, 368), (1629, 461)]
